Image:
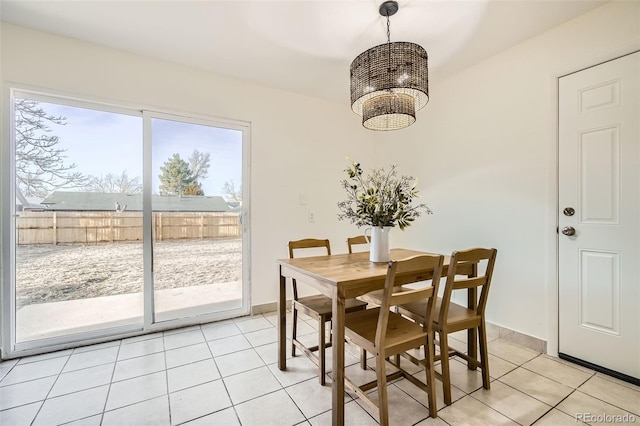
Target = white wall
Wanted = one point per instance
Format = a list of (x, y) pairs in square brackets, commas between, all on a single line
[(298, 143), (484, 149)]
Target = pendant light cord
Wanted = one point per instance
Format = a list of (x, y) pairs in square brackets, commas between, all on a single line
[(388, 90), (388, 30)]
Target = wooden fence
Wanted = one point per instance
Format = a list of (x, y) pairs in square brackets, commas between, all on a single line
[(67, 227)]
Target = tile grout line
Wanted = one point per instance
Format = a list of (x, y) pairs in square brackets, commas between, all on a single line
[(503, 414), (562, 400), (50, 389), (576, 389), (603, 401), (553, 379), (282, 386), (166, 377), (221, 378), (533, 397), (517, 390), (106, 400)]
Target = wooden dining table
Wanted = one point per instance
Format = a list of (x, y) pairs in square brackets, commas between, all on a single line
[(341, 277)]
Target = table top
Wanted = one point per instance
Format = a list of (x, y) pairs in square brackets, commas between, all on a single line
[(349, 270)]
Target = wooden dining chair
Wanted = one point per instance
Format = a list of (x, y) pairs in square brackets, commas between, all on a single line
[(354, 241), (317, 307), (385, 333), (450, 317)]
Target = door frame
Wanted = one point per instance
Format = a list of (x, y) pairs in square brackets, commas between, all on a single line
[(553, 214), (8, 347)]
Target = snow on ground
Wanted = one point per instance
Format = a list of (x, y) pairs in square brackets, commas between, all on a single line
[(48, 273)]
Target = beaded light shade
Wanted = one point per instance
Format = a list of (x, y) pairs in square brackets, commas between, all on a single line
[(389, 82)]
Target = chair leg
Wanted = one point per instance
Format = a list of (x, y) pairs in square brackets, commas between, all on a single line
[(444, 363), (321, 350), (294, 328), (383, 406), (431, 378), (363, 359), (484, 356)]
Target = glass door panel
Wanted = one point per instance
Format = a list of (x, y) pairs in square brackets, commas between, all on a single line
[(78, 219), (196, 205)]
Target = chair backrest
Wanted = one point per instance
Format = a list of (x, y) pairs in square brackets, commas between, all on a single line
[(352, 241), (307, 243), (412, 269), (484, 258)]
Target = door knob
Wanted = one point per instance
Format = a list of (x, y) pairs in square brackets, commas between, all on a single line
[(569, 230), (569, 211)]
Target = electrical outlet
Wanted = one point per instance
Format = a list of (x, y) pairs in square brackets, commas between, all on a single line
[(312, 217)]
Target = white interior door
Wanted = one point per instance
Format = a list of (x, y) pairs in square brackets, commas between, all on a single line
[(599, 201)]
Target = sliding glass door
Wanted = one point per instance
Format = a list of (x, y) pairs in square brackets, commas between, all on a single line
[(78, 239), (122, 221), (196, 206)]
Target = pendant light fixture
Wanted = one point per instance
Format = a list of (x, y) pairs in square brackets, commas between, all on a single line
[(389, 82)]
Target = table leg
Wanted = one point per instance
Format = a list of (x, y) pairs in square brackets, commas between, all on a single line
[(282, 323), (337, 411)]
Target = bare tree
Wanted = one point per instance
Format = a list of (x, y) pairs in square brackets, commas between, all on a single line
[(115, 184), (199, 165), (232, 195), (40, 162)]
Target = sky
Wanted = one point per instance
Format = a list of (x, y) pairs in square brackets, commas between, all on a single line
[(100, 142)]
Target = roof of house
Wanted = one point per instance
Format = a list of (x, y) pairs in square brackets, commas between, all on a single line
[(96, 201)]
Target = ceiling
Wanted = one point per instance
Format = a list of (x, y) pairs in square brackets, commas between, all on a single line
[(304, 46)]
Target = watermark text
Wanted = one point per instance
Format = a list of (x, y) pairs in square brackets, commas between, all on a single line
[(605, 418)]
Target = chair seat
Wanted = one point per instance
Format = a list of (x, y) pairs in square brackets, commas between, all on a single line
[(458, 317), (321, 305), (375, 297), (361, 328)]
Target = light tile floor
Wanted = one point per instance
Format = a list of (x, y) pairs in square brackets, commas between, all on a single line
[(225, 373)]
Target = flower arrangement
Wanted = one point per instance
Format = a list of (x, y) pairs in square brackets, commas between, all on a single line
[(380, 198)]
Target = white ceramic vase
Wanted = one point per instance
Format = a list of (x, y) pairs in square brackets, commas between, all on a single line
[(378, 243)]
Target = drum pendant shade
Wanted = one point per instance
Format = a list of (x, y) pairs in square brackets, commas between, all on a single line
[(389, 82)]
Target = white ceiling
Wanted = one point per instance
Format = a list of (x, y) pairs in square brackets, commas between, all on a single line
[(304, 46)]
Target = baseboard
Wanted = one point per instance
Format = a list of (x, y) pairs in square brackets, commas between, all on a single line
[(267, 307), (517, 337)]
